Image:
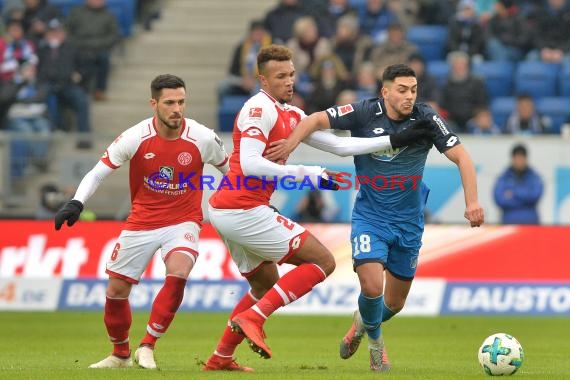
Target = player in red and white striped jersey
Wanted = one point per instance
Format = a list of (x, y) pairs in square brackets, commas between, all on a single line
[(167, 154)]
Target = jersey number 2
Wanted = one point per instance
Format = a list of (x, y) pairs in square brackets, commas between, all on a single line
[(286, 222)]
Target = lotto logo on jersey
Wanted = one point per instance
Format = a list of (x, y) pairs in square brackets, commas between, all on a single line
[(255, 112)]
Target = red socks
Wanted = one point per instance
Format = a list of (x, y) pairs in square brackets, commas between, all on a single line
[(118, 320), (230, 340), (164, 308), (291, 286)]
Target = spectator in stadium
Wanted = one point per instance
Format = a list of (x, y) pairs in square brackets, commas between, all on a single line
[(15, 50), (406, 11), (436, 12), (349, 45), (257, 236), (463, 92), (525, 120), (428, 88), (507, 33), (241, 79), (387, 226), (37, 13), (334, 11), (147, 12), (51, 200), (164, 213), (518, 190), (25, 98), (316, 206), (395, 49), (374, 18), (279, 20), (59, 69), (482, 123), (550, 28), (94, 30), (307, 45), (465, 32), (308, 48), (367, 82), (331, 78)]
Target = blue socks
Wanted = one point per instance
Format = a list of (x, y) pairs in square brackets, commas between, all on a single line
[(387, 313), (371, 312)]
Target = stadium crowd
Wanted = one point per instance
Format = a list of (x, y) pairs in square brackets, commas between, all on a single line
[(55, 59), (477, 61)]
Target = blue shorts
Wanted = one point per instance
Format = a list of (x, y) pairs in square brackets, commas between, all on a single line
[(396, 245)]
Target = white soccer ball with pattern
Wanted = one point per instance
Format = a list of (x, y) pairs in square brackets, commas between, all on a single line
[(501, 354)]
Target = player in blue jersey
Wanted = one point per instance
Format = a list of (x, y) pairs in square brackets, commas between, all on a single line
[(388, 219)]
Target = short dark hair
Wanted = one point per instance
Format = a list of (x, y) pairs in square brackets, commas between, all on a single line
[(519, 149), (278, 53), (165, 81), (398, 70)]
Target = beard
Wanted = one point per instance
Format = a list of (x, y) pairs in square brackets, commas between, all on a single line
[(170, 124)]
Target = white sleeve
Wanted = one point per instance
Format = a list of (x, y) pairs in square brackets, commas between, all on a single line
[(253, 164), (91, 181), (346, 146), (218, 156)]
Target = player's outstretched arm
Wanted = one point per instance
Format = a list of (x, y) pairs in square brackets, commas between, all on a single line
[(254, 164), (349, 146), (281, 149), (71, 210), (473, 210)]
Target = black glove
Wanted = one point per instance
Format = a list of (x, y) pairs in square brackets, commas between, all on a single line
[(420, 129), (328, 184), (70, 212)]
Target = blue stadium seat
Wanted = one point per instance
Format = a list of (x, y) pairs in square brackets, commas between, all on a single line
[(501, 108), (430, 40), (439, 70), (538, 79), (499, 77), (557, 108), (229, 106), (124, 10), (357, 3), (564, 80)]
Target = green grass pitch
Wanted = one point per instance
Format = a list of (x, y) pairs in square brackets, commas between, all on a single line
[(61, 345)]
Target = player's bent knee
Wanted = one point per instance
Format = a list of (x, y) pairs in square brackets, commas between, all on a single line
[(329, 265), (118, 288)]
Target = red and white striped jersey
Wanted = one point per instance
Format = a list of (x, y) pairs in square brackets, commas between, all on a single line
[(265, 119), (165, 175)]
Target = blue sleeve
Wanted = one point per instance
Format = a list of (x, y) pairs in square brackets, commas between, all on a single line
[(348, 117)]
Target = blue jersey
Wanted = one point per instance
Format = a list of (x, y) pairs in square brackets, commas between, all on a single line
[(392, 187)]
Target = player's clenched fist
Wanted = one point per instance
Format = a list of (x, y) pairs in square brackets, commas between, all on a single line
[(70, 212), (418, 130)]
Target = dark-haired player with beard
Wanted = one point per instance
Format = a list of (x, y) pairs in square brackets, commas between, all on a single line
[(166, 213)]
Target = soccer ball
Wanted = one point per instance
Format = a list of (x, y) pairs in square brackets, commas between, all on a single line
[(501, 354)]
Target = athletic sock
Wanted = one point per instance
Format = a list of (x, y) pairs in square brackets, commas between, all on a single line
[(164, 309), (230, 340), (387, 313), (118, 319), (292, 286), (371, 313)]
